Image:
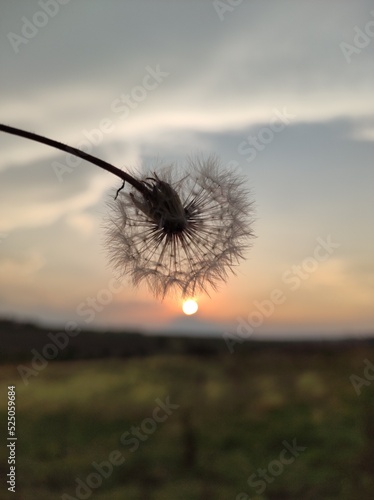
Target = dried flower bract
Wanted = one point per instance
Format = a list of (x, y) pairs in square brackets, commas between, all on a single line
[(185, 232)]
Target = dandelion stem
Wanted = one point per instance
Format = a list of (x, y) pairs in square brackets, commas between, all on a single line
[(80, 154)]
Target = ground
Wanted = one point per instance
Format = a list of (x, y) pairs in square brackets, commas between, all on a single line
[(267, 424)]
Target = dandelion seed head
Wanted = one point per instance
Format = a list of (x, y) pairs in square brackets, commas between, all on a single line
[(185, 233)]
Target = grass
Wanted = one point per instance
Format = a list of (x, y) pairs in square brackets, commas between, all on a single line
[(234, 414)]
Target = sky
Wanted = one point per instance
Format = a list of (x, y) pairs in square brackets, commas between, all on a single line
[(280, 90)]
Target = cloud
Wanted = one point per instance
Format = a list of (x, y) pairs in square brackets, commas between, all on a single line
[(26, 205), (19, 268), (82, 223), (232, 73)]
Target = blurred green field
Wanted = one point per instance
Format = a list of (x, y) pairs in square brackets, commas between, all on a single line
[(234, 412)]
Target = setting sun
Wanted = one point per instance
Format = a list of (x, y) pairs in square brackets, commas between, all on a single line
[(190, 307)]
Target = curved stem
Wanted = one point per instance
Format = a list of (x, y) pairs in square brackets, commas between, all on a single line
[(80, 154)]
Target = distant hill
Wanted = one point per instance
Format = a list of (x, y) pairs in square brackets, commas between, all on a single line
[(20, 341)]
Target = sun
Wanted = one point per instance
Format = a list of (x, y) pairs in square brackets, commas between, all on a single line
[(190, 307)]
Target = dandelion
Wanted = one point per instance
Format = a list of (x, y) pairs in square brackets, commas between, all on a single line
[(188, 235), (183, 232)]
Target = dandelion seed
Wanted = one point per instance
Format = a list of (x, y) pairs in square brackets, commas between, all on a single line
[(187, 235)]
